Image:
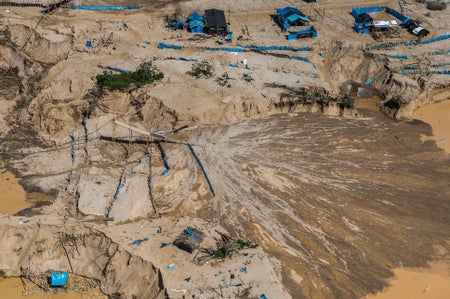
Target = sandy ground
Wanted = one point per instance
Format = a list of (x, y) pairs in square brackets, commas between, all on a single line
[(297, 207), (438, 116), (423, 283), (12, 196)]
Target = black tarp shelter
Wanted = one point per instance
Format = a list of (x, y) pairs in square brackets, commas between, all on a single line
[(215, 22)]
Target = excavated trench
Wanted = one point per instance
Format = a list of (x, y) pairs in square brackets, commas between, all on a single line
[(35, 247)]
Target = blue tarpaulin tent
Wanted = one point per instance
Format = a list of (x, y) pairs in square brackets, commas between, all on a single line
[(363, 25), (59, 279), (290, 16), (195, 22)]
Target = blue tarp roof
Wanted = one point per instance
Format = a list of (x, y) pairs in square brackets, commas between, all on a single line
[(196, 23), (287, 9), (295, 17), (59, 279), (195, 16)]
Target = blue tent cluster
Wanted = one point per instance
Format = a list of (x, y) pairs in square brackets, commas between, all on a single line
[(364, 22), (195, 23), (290, 16)]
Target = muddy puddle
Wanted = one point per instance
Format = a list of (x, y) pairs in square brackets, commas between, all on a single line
[(13, 198), (418, 283), (438, 116), (12, 288)]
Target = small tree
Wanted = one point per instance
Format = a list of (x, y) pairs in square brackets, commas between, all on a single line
[(202, 69), (144, 74)]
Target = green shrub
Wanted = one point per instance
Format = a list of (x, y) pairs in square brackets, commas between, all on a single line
[(202, 69), (144, 74)]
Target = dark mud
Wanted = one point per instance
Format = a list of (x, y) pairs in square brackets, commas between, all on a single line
[(341, 202)]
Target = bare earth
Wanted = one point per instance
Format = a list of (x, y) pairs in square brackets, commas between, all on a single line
[(340, 200)]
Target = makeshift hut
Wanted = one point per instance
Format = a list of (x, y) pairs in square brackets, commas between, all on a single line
[(291, 16), (215, 22), (189, 239)]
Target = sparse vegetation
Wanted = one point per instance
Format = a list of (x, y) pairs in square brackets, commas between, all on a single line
[(291, 97), (224, 80), (202, 69), (436, 5), (144, 74), (247, 77)]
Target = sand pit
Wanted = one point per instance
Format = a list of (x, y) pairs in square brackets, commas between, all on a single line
[(438, 116)]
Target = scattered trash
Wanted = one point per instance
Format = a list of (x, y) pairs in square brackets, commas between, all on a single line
[(89, 43), (24, 221), (226, 286), (263, 296), (225, 246), (244, 270), (165, 244), (171, 267), (139, 241), (159, 230), (187, 279), (368, 80), (232, 276)]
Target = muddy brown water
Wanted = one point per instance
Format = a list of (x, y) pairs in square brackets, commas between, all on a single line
[(438, 116), (12, 288), (341, 202), (12, 196)]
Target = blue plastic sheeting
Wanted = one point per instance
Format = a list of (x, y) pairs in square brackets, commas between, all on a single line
[(105, 7), (295, 18), (399, 56), (290, 15), (194, 16), (233, 65), (424, 72), (187, 59), (423, 42), (120, 186), (196, 23), (358, 11), (59, 279), (89, 43), (287, 9), (428, 41), (308, 32), (368, 80), (226, 49), (364, 27), (84, 123), (202, 168), (118, 69), (162, 45), (396, 14)]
